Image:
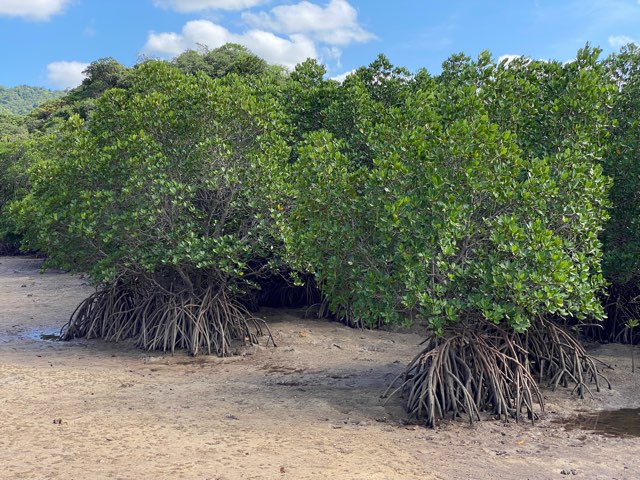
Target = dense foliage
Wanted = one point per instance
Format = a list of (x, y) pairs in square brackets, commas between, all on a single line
[(22, 99), (169, 187), (622, 237), (473, 202), (453, 216), (16, 149), (220, 62), (15, 158)]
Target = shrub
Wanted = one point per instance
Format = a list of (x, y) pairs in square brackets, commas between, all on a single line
[(165, 197), (457, 222)]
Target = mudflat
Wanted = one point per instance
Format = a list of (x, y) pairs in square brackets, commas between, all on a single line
[(309, 408)]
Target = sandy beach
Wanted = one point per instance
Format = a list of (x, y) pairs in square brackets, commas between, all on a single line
[(309, 408)]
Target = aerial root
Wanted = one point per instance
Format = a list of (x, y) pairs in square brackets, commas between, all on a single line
[(209, 321), (485, 368), (558, 358), (469, 372)]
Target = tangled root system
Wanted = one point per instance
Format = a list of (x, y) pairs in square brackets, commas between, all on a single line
[(558, 358), (280, 290), (621, 304), (469, 372), (489, 369), (209, 321)]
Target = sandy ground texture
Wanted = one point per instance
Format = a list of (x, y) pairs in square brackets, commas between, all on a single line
[(310, 408)]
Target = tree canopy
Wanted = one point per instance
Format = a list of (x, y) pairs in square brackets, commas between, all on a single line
[(474, 202), (22, 99), (219, 62), (169, 186)]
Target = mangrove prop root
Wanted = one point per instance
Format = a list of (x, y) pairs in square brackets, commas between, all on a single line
[(621, 304), (487, 369), (207, 322), (558, 358)]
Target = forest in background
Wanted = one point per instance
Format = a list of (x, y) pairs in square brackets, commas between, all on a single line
[(495, 203), (22, 99)]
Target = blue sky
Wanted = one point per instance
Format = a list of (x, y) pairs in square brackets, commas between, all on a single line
[(49, 42)]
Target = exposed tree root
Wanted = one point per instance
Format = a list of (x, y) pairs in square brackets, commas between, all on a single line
[(621, 303), (10, 248), (279, 290), (557, 357), (6, 249), (468, 372), (488, 369), (205, 322)]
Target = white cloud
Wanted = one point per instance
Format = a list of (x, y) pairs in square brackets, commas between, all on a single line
[(331, 55), (274, 49), (335, 24), (617, 41), (66, 74), (342, 77), (186, 6), (285, 35), (38, 10)]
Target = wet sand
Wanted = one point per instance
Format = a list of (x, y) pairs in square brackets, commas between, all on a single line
[(308, 409)]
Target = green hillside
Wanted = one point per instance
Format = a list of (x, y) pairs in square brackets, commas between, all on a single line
[(22, 99)]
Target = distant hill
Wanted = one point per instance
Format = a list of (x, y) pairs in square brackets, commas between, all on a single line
[(22, 99)]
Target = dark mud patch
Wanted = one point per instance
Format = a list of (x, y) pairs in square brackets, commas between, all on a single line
[(624, 422)]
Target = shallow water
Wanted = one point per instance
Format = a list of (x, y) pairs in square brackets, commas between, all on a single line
[(49, 337), (45, 334), (39, 335), (624, 422)]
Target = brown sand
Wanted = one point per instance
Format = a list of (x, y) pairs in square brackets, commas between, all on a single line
[(309, 408)]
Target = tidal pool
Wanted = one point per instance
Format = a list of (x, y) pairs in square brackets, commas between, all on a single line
[(624, 422)]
